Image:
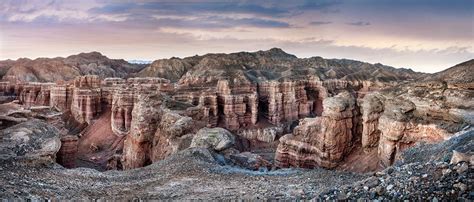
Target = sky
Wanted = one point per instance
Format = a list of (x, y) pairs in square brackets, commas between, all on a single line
[(424, 35)]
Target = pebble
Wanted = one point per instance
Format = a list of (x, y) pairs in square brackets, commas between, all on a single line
[(447, 171), (462, 168), (424, 176), (390, 187), (462, 187)]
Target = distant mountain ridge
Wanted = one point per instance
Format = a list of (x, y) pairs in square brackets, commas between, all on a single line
[(55, 69), (272, 64)]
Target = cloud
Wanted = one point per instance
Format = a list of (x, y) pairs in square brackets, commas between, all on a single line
[(358, 23), (212, 22), (317, 23)]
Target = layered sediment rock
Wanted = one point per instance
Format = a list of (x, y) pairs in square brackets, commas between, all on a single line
[(35, 94), (399, 127), (122, 107), (86, 98), (61, 97), (67, 154), (290, 100), (146, 114), (321, 141), (85, 104), (239, 103)]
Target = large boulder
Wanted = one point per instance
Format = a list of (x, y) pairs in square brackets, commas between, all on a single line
[(32, 139), (217, 139)]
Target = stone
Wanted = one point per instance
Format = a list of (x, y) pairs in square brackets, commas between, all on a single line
[(217, 139), (461, 157), (462, 168), (462, 187)]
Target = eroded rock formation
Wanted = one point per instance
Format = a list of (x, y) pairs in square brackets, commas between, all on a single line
[(146, 114), (327, 108), (321, 141)]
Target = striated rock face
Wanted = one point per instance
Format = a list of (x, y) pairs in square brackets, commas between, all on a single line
[(85, 104), (204, 105), (290, 100), (173, 134), (321, 141), (61, 97), (35, 94), (122, 107), (372, 108), (217, 139), (67, 154), (239, 104), (86, 99), (137, 149)]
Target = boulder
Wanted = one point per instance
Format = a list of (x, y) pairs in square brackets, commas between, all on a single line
[(217, 139), (33, 139)]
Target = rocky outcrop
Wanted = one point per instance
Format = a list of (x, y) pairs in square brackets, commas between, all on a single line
[(217, 139), (372, 108), (146, 114), (174, 133), (321, 141), (67, 154), (33, 139), (399, 127)]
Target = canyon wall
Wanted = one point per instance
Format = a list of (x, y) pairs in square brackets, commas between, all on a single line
[(321, 141)]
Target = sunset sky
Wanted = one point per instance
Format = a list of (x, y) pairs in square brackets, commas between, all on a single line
[(425, 35)]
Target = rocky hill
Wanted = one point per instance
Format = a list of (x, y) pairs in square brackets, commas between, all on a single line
[(273, 64), (460, 73), (56, 69)]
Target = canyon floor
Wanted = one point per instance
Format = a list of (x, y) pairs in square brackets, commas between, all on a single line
[(195, 174)]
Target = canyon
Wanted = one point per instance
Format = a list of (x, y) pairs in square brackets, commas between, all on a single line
[(265, 110)]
